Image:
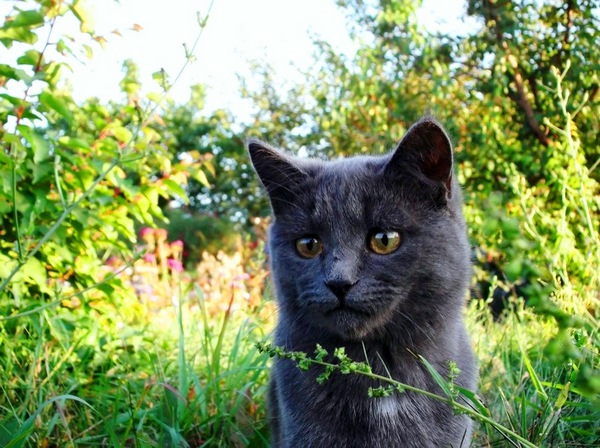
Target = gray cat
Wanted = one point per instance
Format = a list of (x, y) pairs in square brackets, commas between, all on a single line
[(371, 254)]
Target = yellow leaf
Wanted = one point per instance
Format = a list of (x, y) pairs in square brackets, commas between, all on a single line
[(81, 9)]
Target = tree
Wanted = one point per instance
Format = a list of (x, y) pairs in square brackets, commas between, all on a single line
[(77, 179), (519, 96)]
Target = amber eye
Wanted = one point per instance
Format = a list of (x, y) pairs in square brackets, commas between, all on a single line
[(383, 243), (309, 246)]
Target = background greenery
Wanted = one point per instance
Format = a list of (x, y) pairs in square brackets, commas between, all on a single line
[(132, 270)]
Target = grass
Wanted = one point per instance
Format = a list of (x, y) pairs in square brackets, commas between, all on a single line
[(186, 375), (170, 377), (523, 388)]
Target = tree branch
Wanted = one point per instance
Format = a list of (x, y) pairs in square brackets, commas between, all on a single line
[(522, 97)]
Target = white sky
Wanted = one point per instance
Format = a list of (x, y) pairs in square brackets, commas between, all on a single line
[(237, 32)]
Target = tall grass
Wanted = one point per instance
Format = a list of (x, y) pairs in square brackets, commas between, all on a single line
[(183, 375)]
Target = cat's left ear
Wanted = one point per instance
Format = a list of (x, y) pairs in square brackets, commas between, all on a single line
[(425, 152)]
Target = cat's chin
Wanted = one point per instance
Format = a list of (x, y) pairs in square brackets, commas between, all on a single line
[(349, 323)]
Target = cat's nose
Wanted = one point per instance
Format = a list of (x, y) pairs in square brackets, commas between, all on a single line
[(340, 287)]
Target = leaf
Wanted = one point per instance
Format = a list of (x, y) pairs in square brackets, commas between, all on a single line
[(562, 396), (82, 12), (441, 382), (89, 53), (533, 375), (57, 104), (74, 143), (8, 427), (20, 436), (18, 28), (6, 71), (41, 149), (200, 176), (175, 188), (35, 271), (31, 57), (475, 401), (25, 19)]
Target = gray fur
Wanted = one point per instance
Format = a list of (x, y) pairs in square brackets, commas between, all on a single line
[(398, 305)]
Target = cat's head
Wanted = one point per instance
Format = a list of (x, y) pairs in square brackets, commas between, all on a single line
[(367, 244)]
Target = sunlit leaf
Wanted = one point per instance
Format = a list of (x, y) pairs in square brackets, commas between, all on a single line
[(82, 11), (57, 104), (18, 28), (200, 176), (41, 148), (31, 57), (175, 188), (24, 19)]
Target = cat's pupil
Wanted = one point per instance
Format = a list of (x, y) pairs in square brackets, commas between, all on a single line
[(384, 239), (308, 247)]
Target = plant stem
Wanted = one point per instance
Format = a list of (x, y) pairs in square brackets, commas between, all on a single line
[(450, 401)]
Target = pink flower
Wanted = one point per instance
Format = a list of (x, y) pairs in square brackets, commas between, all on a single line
[(177, 244), (175, 265), (161, 234), (149, 257), (146, 231)]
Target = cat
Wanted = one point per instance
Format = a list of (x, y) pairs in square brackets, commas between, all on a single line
[(369, 253)]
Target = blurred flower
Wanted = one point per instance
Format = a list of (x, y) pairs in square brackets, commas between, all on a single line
[(149, 257), (176, 249), (146, 232), (161, 234), (177, 244), (113, 262), (175, 265)]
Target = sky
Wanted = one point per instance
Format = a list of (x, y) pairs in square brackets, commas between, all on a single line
[(237, 33)]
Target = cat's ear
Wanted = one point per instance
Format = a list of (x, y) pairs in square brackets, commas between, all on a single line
[(425, 151), (278, 172)]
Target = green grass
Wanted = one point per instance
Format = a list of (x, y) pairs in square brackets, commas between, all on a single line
[(175, 377), (523, 388), (179, 377)]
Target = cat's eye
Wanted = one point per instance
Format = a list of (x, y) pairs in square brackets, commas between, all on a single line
[(384, 242), (309, 247)]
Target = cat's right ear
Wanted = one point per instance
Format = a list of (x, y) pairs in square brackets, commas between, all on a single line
[(425, 153), (277, 172)]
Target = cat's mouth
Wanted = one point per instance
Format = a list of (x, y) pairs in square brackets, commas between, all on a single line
[(347, 321), (343, 308)]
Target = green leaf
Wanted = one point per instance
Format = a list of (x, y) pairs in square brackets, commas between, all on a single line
[(200, 176), (24, 19), (41, 149), (57, 104), (441, 382), (40, 171), (175, 188), (20, 436), (474, 400), (31, 57), (88, 51), (11, 99), (6, 71), (35, 271), (18, 28), (74, 143), (533, 375)]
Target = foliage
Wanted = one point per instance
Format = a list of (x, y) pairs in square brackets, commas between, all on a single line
[(76, 179), (106, 340)]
